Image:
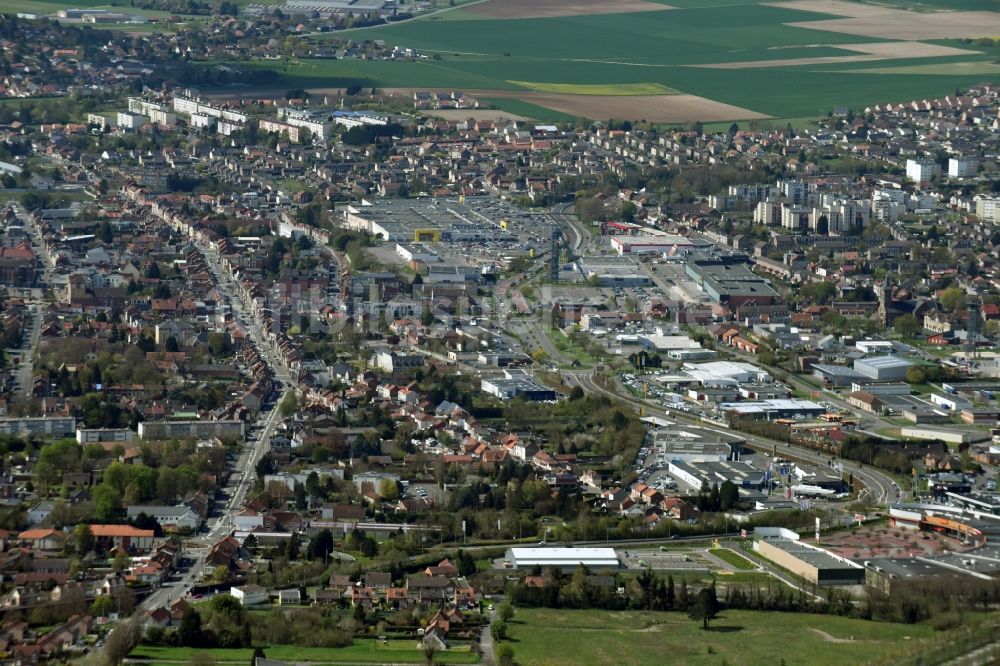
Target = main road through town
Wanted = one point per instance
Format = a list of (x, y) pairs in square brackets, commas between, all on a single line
[(256, 445)]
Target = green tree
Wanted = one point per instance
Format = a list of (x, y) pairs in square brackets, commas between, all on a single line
[(505, 655), (121, 562), (388, 489), (952, 299), (289, 405), (505, 612), (83, 539), (498, 630), (705, 606), (729, 495), (320, 546), (916, 375), (106, 502), (103, 606), (906, 325), (189, 633)]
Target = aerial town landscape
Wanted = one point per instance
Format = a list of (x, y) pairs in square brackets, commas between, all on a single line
[(554, 332)]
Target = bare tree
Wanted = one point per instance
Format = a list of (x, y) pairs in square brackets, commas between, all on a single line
[(122, 640)]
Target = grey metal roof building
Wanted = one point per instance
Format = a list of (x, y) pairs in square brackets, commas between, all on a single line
[(816, 565), (563, 558), (883, 368)]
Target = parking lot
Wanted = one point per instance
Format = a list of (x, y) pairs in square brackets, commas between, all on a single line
[(666, 560)]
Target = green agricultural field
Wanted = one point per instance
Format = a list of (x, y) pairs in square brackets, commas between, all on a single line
[(654, 53), (547, 637), (607, 89), (362, 652), (976, 68)]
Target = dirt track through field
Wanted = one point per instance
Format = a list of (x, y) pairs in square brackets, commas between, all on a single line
[(521, 9)]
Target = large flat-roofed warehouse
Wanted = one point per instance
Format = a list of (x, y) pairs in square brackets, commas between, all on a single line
[(679, 443), (650, 244), (883, 368), (562, 558), (613, 271), (836, 375), (517, 384), (697, 475), (768, 410), (818, 566), (729, 280)]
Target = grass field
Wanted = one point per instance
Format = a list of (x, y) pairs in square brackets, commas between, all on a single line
[(545, 637), (362, 652), (733, 558)]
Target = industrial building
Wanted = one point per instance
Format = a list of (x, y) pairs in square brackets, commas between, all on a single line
[(725, 373), (816, 565), (697, 475), (692, 444), (613, 271), (566, 559), (836, 375), (517, 384), (417, 252), (768, 410), (729, 280), (883, 368), (665, 244)]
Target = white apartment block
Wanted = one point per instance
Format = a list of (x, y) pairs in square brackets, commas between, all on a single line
[(144, 107), (130, 121), (988, 208), (97, 119), (842, 216), (186, 106), (189, 106), (200, 121), (227, 127), (963, 167), (277, 127), (162, 117), (922, 170), (794, 217), (767, 212)]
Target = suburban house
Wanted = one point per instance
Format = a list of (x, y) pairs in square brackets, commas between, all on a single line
[(170, 518), (249, 595)]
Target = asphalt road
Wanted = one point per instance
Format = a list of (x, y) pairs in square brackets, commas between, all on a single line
[(244, 471)]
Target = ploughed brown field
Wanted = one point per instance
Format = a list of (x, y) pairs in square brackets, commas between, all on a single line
[(654, 108)]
